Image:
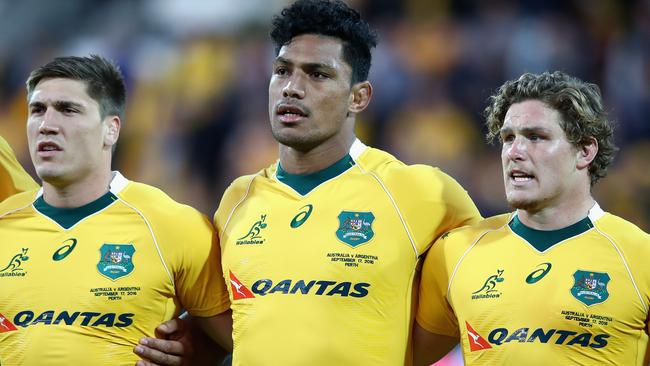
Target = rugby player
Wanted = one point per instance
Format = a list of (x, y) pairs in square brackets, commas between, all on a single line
[(559, 281), (92, 262), (321, 249)]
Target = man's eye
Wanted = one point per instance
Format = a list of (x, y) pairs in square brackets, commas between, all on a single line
[(36, 110)]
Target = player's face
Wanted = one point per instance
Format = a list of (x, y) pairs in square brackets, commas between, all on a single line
[(65, 131), (539, 163), (309, 92)]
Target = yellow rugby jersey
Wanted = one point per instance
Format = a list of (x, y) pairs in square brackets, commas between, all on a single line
[(13, 178), (82, 286), (322, 266), (519, 296)]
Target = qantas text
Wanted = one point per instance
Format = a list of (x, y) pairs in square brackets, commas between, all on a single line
[(317, 287), (558, 336), (86, 318)]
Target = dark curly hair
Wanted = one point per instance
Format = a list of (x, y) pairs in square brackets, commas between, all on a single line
[(579, 103), (328, 18), (104, 80)]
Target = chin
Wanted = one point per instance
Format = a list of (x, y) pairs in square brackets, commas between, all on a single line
[(522, 203), (295, 141), (48, 175)]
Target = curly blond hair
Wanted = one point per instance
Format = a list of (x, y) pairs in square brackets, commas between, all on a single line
[(579, 103)]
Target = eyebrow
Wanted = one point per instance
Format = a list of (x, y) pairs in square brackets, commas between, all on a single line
[(59, 104), (525, 130), (307, 65)]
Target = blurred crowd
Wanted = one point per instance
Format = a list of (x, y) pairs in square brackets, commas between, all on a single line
[(197, 74)]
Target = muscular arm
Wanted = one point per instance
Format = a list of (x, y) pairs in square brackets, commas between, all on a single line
[(430, 347)]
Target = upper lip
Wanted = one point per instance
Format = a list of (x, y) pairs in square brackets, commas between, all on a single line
[(44, 144), (284, 108), (513, 172)]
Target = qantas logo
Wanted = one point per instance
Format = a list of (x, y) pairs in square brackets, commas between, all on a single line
[(500, 336), (476, 342), (6, 325), (267, 286), (28, 318), (239, 291)]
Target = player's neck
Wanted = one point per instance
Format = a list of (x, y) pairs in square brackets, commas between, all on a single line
[(78, 193), (556, 216), (316, 159)]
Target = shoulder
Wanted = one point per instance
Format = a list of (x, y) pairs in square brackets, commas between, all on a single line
[(467, 235), (156, 206), (241, 185), (623, 232), (238, 189), (237, 192), (394, 172), (17, 201)]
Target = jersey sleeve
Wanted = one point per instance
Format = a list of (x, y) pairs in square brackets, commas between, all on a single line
[(461, 210), (634, 244), (432, 202), (13, 178), (434, 312), (233, 195), (199, 283)]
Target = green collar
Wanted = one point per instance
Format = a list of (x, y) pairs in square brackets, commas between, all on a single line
[(304, 183), (68, 217), (544, 239)]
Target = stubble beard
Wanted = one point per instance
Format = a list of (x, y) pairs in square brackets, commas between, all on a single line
[(531, 205), (297, 141)]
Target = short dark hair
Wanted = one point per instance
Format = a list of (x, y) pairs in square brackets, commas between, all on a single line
[(579, 103), (333, 19), (103, 78)]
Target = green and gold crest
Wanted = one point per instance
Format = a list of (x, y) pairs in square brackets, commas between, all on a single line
[(116, 260), (355, 228)]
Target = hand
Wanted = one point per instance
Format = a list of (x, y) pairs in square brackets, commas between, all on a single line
[(172, 347)]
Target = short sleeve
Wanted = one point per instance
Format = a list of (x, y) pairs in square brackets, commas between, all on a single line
[(434, 312), (199, 282)]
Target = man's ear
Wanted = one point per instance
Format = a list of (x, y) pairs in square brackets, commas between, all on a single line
[(113, 124), (587, 153), (360, 96)]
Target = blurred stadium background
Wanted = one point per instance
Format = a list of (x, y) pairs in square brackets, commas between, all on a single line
[(197, 74)]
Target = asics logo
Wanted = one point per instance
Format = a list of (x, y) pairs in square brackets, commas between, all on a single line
[(302, 216), (539, 273), (63, 252)]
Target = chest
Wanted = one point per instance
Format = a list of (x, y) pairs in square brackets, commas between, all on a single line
[(340, 238), (81, 275), (579, 291)]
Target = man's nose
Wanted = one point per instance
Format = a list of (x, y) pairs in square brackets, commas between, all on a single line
[(294, 88), (49, 123), (517, 149)]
